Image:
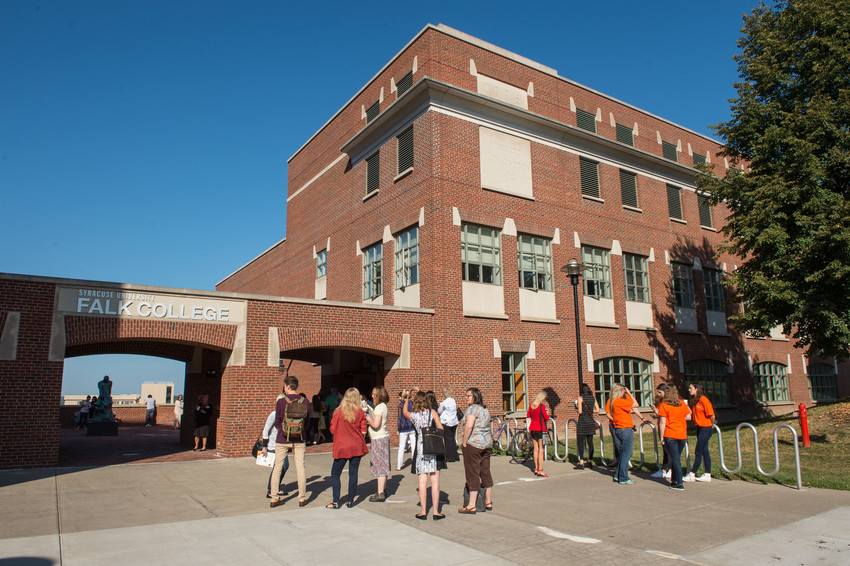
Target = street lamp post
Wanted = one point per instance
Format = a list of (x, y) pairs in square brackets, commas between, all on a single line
[(574, 268)]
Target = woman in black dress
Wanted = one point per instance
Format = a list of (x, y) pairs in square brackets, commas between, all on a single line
[(586, 428)]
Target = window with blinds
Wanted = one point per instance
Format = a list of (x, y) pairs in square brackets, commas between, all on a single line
[(628, 188), (404, 83), (585, 120), (704, 211), (699, 159), (405, 150), (625, 135), (668, 150), (589, 177), (674, 202), (373, 111), (373, 173)]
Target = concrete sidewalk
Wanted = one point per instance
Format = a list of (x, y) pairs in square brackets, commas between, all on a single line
[(215, 512)]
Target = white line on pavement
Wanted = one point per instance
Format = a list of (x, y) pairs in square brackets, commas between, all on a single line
[(558, 534)]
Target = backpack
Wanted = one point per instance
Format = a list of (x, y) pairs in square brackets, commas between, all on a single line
[(404, 424), (293, 418)]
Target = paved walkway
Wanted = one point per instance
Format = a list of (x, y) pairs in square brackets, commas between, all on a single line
[(215, 512)]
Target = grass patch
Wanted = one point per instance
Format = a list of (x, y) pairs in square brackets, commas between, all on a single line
[(823, 464)]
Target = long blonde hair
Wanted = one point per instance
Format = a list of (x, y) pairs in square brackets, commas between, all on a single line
[(539, 398), (350, 404), (616, 391)]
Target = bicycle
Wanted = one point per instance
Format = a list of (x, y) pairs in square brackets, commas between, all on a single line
[(518, 445)]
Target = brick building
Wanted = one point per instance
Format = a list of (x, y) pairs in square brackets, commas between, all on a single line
[(462, 177)]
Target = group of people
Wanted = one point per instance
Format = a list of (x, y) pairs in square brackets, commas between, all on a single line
[(353, 417)]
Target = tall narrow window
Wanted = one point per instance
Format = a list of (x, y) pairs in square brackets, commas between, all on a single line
[(669, 151), (405, 150), (513, 382), (634, 373), (597, 272), (683, 285), (534, 256), (628, 188), (770, 382), (713, 290), (372, 260), (637, 277), (404, 83), (625, 135), (704, 211), (321, 264), (373, 173), (589, 177), (585, 120), (481, 254), (407, 258), (373, 111), (674, 202)]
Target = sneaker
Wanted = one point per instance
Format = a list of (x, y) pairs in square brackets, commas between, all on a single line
[(704, 477), (689, 477), (628, 482), (678, 487), (668, 474), (658, 474)]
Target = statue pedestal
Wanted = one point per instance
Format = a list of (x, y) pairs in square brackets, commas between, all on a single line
[(102, 428)]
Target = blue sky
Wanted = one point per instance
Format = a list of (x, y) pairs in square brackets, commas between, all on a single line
[(146, 141)]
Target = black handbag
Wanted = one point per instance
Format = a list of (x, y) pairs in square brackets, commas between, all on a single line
[(433, 441), (258, 447)]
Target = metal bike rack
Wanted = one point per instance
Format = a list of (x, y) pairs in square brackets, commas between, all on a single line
[(654, 442), (555, 443), (756, 443)]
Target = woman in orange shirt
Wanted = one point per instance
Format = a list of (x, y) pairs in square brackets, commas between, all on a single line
[(619, 409), (704, 421), (674, 414)]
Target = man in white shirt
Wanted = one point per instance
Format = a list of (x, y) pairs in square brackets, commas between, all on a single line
[(150, 413)]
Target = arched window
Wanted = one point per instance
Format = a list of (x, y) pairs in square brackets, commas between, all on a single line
[(770, 382), (822, 382), (714, 377), (634, 373)]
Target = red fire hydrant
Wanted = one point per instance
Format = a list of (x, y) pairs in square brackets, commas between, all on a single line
[(804, 424)]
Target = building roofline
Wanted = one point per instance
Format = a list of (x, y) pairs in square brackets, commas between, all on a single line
[(442, 28), (250, 261)]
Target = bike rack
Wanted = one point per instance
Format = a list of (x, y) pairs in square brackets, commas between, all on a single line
[(756, 442)]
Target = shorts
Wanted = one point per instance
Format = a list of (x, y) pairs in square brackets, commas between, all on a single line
[(536, 434), (202, 431)]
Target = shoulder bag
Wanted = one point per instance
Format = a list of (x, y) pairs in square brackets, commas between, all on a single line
[(433, 441)]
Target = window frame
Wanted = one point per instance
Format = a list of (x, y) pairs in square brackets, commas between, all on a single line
[(705, 217), (373, 111), (677, 191), (584, 119), (670, 151), (407, 258), (405, 150), (373, 257), (638, 291), (713, 375), (683, 285), (321, 264), (769, 383), (625, 133), (514, 399), (629, 189), (540, 268), (495, 250), (597, 274), (589, 176), (373, 173), (821, 381), (715, 300), (404, 84), (634, 373)]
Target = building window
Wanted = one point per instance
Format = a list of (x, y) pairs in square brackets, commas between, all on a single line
[(404, 83), (771, 382), (405, 150), (481, 254), (683, 285), (714, 378), (597, 272), (822, 382), (713, 290), (534, 257), (699, 159), (669, 151), (628, 188), (373, 173), (407, 258), (372, 260), (373, 111), (674, 202), (513, 382), (321, 264), (167, 394), (589, 177), (585, 120), (625, 135), (637, 277), (704, 211), (634, 373)]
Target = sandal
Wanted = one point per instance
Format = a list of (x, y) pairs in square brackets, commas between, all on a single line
[(467, 511), (332, 506), (542, 474), (489, 506)]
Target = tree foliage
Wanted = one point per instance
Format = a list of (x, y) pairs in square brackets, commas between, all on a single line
[(789, 213)]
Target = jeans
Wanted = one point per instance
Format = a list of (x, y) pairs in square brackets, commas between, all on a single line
[(616, 442), (149, 416), (403, 438), (626, 439), (336, 472), (701, 453), (674, 447), (271, 473)]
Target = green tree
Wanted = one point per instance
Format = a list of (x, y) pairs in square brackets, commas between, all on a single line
[(789, 213)]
